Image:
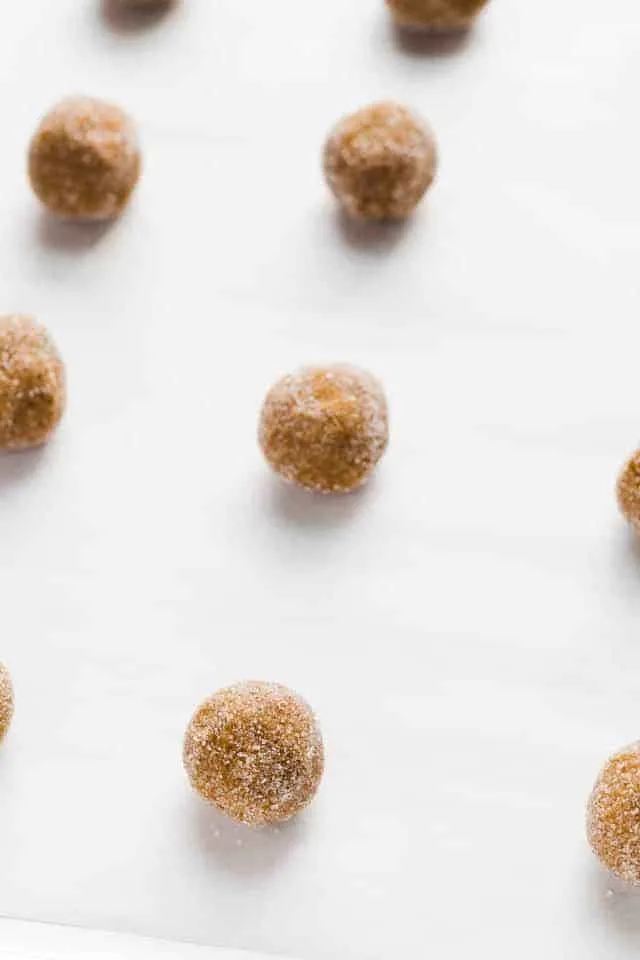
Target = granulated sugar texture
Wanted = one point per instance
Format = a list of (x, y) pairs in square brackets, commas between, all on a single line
[(6, 701), (380, 161), (613, 817), (255, 751), (32, 383), (84, 159), (436, 15), (325, 428)]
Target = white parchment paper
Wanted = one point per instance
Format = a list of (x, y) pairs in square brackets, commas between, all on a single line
[(467, 629)]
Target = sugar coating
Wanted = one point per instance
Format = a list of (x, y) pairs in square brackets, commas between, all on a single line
[(84, 159), (628, 490), (6, 701), (613, 815), (325, 428), (380, 161), (436, 15), (32, 383), (255, 751)]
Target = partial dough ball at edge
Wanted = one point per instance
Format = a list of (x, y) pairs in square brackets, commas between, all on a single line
[(6, 701), (613, 817), (437, 16), (32, 383), (628, 491), (145, 5)]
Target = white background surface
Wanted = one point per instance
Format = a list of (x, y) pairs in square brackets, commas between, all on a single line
[(468, 628), (20, 940)]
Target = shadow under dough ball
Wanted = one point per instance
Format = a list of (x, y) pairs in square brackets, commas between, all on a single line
[(84, 159), (325, 428), (436, 15), (613, 815), (380, 161), (628, 491), (32, 383), (6, 701), (254, 750)]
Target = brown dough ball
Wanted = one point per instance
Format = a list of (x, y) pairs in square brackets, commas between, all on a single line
[(628, 490), (6, 701), (325, 428), (255, 751), (613, 815), (436, 15), (32, 383), (84, 159), (380, 161)]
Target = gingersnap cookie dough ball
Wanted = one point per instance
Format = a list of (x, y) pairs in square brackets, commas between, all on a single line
[(628, 490), (255, 751), (84, 159), (436, 15), (6, 701), (325, 428), (32, 383), (380, 161), (613, 815)]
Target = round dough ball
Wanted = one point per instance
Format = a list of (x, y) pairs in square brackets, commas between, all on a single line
[(325, 428), (380, 161), (613, 815), (84, 159), (436, 15), (255, 751), (32, 383), (6, 701), (628, 490)]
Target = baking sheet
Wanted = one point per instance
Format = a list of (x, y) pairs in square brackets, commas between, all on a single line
[(467, 628)]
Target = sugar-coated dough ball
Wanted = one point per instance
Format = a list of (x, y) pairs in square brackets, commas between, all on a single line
[(380, 161), (32, 383), (6, 701), (437, 15), (255, 751), (613, 815), (325, 428), (628, 490), (84, 159)]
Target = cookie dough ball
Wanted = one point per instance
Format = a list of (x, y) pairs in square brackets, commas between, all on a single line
[(628, 490), (613, 815), (436, 15), (6, 701), (84, 159), (325, 428), (380, 161), (32, 383), (255, 751)]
